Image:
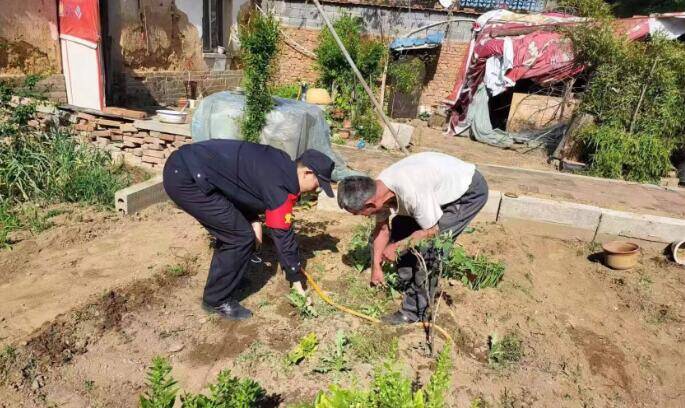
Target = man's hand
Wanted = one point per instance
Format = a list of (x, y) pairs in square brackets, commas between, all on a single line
[(377, 278), (299, 288), (390, 253)]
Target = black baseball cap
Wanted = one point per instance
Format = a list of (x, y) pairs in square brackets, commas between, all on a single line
[(322, 166)]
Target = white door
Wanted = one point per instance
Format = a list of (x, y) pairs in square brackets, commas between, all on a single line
[(83, 74)]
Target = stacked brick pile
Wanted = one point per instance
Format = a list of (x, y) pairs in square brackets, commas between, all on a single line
[(137, 147)]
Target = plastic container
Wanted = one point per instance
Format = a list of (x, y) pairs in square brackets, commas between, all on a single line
[(621, 255), (171, 116)]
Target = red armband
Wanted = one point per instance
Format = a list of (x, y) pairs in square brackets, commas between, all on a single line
[(282, 217)]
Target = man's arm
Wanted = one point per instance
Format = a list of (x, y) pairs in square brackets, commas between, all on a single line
[(381, 238), (390, 251)]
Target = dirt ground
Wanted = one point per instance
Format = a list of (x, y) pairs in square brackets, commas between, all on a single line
[(89, 303)]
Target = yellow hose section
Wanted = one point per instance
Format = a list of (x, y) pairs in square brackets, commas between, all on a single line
[(371, 319)]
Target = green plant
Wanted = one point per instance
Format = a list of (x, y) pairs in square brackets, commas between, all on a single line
[(185, 267), (479, 402), (227, 392), (505, 351), (259, 44), (89, 385), (54, 167), (336, 74), (476, 273), (289, 91), (635, 91), (304, 349), (335, 358), (359, 248), (367, 127), (405, 75), (8, 356), (369, 344), (302, 304), (391, 389), (162, 388)]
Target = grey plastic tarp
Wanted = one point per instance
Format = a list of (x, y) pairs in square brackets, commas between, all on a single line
[(291, 126), (478, 117)]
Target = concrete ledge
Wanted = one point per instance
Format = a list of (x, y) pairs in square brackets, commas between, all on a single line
[(326, 203), (174, 129), (140, 196), (556, 218), (638, 226), (490, 212)]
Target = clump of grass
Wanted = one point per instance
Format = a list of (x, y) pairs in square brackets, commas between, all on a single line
[(370, 344), (505, 351), (475, 272), (359, 248), (187, 266), (335, 358), (8, 356), (304, 349), (302, 304)]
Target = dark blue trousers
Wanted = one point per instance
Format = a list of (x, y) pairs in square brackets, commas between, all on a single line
[(231, 229)]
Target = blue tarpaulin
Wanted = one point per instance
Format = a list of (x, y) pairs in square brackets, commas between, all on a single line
[(429, 41)]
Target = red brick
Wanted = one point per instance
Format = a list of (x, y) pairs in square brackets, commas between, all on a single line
[(107, 122), (152, 146), (102, 133), (152, 159), (136, 140), (153, 153)]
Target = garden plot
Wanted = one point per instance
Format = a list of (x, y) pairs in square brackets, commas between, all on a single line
[(559, 330)]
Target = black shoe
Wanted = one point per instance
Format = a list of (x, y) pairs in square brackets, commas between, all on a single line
[(397, 319), (230, 310)]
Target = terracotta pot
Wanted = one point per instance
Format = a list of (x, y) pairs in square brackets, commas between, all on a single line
[(347, 124), (621, 255), (182, 103), (345, 134)]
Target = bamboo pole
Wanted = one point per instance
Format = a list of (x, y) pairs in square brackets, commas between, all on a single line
[(642, 96), (379, 108)]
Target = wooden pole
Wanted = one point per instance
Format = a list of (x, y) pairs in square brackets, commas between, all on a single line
[(642, 96), (379, 108)]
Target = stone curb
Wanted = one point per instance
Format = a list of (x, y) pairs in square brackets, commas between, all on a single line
[(567, 219), (137, 197)]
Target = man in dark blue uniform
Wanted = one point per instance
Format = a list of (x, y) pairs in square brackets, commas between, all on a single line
[(226, 185)]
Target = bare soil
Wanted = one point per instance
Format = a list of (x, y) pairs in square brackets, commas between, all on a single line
[(88, 304)]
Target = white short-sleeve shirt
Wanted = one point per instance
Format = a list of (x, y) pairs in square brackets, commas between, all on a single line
[(425, 181)]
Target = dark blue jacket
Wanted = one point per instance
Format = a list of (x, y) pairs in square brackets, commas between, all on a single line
[(257, 179)]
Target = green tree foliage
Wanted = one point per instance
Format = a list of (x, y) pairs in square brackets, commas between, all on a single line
[(259, 44), (629, 142), (405, 75), (336, 74), (629, 8)]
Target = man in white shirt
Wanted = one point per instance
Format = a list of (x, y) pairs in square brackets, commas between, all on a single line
[(425, 194)]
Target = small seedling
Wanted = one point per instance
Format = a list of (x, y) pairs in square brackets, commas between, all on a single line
[(505, 351), (335, 359), (359, 249), (302, 304), (479, 402), (186, 266), (162, 388), (255, 352), (305, 349), (89, 385)]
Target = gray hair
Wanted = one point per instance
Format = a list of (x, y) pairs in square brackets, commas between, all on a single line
[(354, 192)]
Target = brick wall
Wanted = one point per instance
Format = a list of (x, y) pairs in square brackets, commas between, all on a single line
[(52, 86), (294, 66), (450, 59), (147, 89), (302, 23)]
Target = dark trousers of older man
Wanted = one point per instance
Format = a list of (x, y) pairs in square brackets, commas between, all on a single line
[(456, 217)]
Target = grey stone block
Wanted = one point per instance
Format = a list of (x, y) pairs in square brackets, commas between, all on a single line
[(491, 210), (551, 218), (326, 203), (640, 226), (140, 196)]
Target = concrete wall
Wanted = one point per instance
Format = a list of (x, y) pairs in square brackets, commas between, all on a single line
[(28, 37), (302, 23)]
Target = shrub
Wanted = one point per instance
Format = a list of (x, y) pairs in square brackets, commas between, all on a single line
[(336, 74), (228, 392), (390, 388), (259, 44), (405, 75), (636, 92), (289, 91)]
